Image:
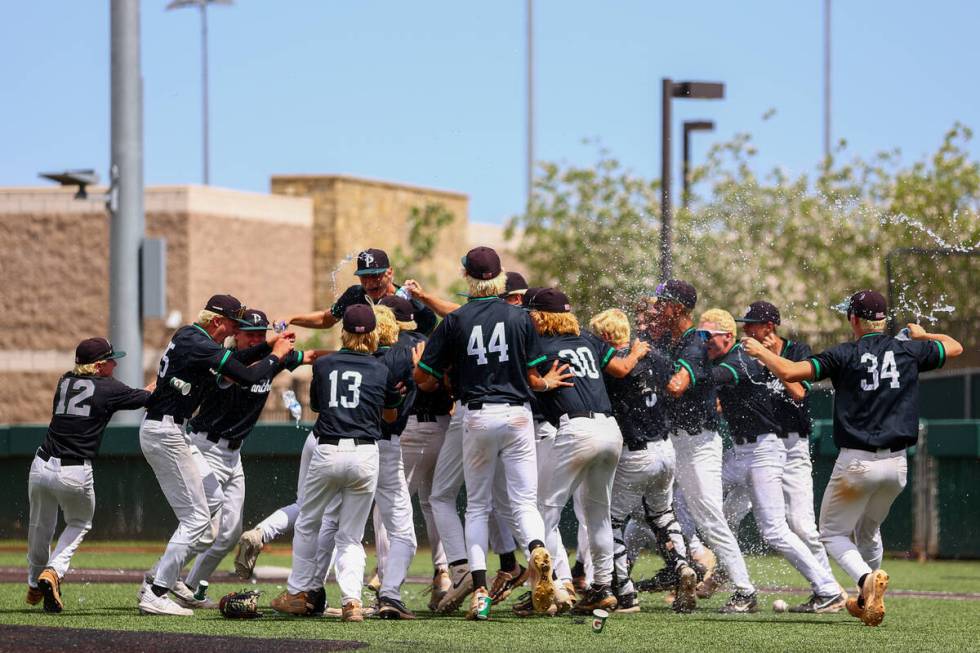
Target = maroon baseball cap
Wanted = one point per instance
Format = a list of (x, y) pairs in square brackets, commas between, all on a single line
[(550, 300), (529, 294), (226, 306), (482, 263), (402, 308), (359, 318), (255, 320), (516, 284), (372, 261), (678, 291), (760, 313), (93, 350), (868, 305)]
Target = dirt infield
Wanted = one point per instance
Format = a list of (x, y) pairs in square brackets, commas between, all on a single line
[(35, 638)]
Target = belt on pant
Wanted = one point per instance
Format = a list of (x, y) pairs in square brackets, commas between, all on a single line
[(583, 413), (477, 405), (871, 449), (428, 417), (158, 417), (66, 461), (752, 439), (323, 439), (231, 444)]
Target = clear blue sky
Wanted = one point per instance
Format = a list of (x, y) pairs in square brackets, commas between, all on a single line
[(432, 93)]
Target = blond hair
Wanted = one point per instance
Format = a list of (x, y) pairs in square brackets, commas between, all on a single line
[(387, 328), (364, 343), (408, 326), (611, 325), (555, 324), (206, 317), (89, 369), (721, 318), (869, 326), (487, 287)]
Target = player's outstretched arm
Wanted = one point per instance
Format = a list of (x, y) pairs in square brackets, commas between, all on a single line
[(620, 367), (441, 307), (557, 377), (951, 345), (317, 320), (786, 370)]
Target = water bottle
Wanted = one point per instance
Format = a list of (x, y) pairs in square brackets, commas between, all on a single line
[(404, 293), (279, 326), (183, 387), (292, 404), (202, 591), (904, 334)]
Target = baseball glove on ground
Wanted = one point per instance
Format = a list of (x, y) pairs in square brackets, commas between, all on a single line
[(240, 605)]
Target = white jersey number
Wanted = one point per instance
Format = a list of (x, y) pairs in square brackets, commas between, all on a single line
[(581, 361), (497, 344), (165, 361), (82, 389), (889, 370), (353, 387)]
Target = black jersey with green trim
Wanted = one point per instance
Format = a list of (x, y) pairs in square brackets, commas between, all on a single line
[(425, 317), (748, 393), (793, 415), (194, 357), (231, 410), (637, 399), (876, 388), (398, 359), (82, 407), (349, 391), (587, 357), (490, 345), (695, 410)]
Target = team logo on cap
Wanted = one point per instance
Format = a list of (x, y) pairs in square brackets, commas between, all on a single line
[(368, 258), (256, 318)]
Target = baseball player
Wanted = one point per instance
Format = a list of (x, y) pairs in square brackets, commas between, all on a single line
[(61, 473), (375, 275), (698, 448), (226, 417), (761, 322), (588, 442), (351, 392), (493, 350), (643, 486), (876, 418), (191, 363), (749, 395)]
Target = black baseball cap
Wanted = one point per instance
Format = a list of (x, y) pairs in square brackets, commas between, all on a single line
[(255, 320), (529, 294), (372, 261), (550, 300), (359, 318), (868, 305), (93, 350), (515, 284), (678, 291), (759, 313), (402, 308), (226, 306), (482, 263)]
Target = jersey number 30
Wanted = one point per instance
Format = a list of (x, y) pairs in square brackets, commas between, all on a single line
[(497, 344), (888, 370)]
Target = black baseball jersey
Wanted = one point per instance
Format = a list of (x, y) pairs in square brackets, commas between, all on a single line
[(794, 416), (876, 389), (490, 345), (231, 411), (695, 410), (748, 392), (349, 391), (425, 317), (194, 357), (587, 357), (637, 399), (398, 360), (82, 407)]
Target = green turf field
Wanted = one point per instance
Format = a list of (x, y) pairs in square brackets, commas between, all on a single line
[(920, 624)]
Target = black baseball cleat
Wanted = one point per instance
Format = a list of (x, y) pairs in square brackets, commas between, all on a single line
[(389, 608), (627, 603), (740, 604), (821, 604), (664, 580), (597, 597), (318, 598)]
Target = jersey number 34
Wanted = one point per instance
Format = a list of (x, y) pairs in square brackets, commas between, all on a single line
[(888, 370)]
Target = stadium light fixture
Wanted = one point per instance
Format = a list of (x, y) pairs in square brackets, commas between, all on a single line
[(691, 126)]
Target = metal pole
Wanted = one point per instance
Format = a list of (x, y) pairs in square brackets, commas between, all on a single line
[(826, 80), (667, 90), (204, 93), (890, 290), (126, 194), (686, 169), (530, 103)]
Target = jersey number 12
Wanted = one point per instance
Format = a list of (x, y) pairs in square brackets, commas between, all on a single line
[(83, 389)]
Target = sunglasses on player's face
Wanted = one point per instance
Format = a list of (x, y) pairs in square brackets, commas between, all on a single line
[(707, 334)]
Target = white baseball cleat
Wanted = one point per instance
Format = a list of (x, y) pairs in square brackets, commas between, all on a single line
[(150, 603), (185, 597)]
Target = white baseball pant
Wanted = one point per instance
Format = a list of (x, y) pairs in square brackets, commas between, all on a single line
[(393, 519), (167, 449), (798, 492), (699, 478), (224, 486), (860, 493), (349, 472), (768, 458), (505, 434), (583, 553), (585, 453), (736, 484), (544, 445), (420, 443), (51, 486)]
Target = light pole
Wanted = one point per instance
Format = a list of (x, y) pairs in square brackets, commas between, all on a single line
[(530, 104), (691, 126), (826, 80), (203, 5), (670, 90)]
